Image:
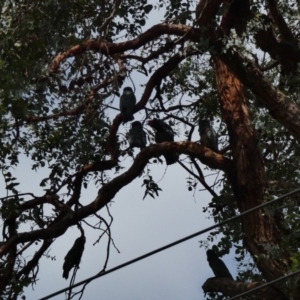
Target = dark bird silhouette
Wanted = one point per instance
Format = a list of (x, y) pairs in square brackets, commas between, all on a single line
[(217, 265), (163, 133), (137, 136), (127, 103), (208, 136), (73, 257)]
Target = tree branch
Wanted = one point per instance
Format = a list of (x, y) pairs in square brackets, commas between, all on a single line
[(107, 48), (207, 10), (109, 190), (284, 30), (155, 80), (281, 108), (119, 77), (231, 288)]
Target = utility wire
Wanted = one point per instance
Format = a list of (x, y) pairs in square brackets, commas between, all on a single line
[(171, 245), (264, 285)]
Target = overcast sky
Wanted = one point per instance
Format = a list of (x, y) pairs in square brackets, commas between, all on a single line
[(139, 226)]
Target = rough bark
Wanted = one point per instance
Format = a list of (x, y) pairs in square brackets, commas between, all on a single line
[(280, 107), (250, 182)]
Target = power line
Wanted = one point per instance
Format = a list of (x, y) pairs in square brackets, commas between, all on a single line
[(264, 285), (170, 245)]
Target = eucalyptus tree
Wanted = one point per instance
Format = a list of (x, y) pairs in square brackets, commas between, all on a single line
[(62, 67)]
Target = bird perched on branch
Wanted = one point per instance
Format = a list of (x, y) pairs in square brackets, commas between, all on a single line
[(163, 133), (73, 257), (208, 136), (137, 136), (127, 103), (217, 265)]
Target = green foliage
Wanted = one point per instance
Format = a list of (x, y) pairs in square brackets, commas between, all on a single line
[(151, 187)]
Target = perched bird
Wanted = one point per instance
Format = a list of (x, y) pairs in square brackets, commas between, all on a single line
[(208, 136), (137, 136), (217, 265), (73, 257), (127, 103), (164, 133)]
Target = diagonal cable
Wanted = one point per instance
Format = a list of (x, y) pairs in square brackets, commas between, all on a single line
[(264, 285), (173, 244)]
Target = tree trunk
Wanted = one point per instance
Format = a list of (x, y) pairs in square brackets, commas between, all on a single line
[(249, 180)]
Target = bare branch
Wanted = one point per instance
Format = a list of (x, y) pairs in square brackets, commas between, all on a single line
[(200, 179), (107, 48)]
